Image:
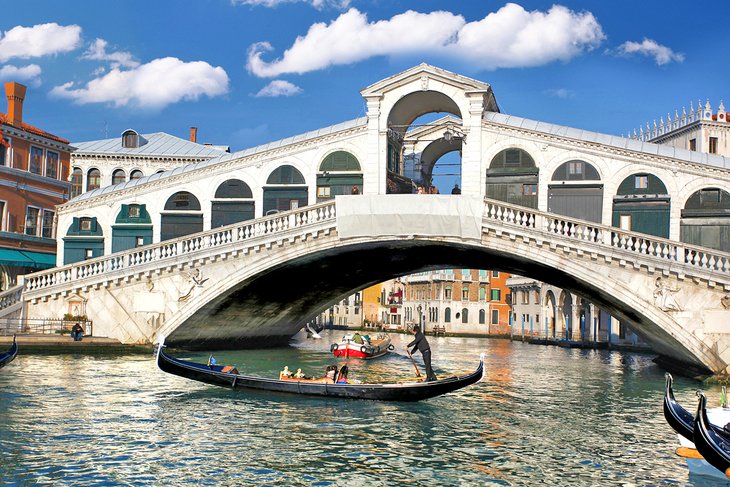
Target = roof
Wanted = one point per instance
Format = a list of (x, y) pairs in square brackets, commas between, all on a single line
[(157, 144), (660, 150), (32, 130), (417, 71), (224, 157)]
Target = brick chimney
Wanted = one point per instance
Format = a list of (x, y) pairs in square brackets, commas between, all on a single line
[(16, 95), (194, 134)]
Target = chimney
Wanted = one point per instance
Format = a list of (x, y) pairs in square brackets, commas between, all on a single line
[(194, 134), (16, 95)]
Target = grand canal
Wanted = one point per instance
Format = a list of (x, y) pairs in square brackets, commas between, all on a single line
[(541, 416)]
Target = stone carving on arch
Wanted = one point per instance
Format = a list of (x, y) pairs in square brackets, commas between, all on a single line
[(664, 298)]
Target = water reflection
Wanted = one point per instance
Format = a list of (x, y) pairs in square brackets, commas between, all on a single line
[(542, 416)]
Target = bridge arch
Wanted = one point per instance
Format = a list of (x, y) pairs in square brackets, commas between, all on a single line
[(513, 176), (408, 108)]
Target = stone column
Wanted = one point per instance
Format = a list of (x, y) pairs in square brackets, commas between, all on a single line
[(374, 170), (471, 153)]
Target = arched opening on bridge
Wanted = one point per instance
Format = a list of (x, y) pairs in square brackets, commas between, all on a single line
[(706, 219), (84, 240), (513, 177), (549, 311), (576, 191), (132, 228), (182, 216), (566, 310), (339, 173), (232, 203), (642, 204), (432, 154), (285, 190), (119, 176), (411, 123)]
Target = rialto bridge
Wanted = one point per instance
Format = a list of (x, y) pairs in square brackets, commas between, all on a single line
[(247, 247)]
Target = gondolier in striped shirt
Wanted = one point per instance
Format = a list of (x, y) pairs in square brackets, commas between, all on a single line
[(420, 343)]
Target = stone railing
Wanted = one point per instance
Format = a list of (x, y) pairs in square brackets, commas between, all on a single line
[(661, 251), (11, 296), (164, 253)]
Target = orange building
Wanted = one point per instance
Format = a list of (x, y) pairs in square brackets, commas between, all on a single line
[(499, 306), (34, 173)]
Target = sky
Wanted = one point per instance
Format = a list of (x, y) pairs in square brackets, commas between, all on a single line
[(246, 72)]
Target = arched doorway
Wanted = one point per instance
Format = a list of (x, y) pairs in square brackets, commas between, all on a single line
[(132, 228), (339, 173), (285, 190), (576, 191), (84, 240), (642, 204), (706, 219), (513, 177), (182, 216), (233, 203), (549, 310), (566, 310)]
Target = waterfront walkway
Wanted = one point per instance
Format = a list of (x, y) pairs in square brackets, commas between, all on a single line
[(39, 343)]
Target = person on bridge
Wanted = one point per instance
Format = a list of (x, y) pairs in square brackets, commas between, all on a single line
[(420, 343), (456, 190), (77, 332)]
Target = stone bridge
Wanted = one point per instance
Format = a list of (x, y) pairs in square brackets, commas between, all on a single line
[(257, 282)]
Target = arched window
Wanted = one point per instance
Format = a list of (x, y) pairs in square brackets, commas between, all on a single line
[(513, 177), (340, 161), (465, 315), (576, 170), (77, 182), (131, 139), (285, 175), (136, 174), (642, 204), (482, 317), (339, 173), (119, 176), (93, 179), (182, 200), (447, 315), (233, 188), (706, 219), (512, 158), (583, 200)]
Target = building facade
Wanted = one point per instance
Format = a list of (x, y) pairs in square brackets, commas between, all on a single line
[(34, 172)]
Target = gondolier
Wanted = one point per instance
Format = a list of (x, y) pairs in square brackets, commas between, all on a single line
[(420, 343)]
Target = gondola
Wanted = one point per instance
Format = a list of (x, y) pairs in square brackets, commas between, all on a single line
[(678, 418), (410, 391), (7, 357), (710, 443)]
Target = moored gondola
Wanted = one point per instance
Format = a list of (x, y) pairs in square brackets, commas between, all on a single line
[(410, 391), (678, 418), (711, 443), (7, 357)]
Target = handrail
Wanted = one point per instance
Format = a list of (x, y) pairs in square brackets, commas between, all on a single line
[(11, 296), (187, 245), (640, 244)]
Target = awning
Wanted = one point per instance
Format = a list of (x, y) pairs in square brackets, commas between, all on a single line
[(27, 258)]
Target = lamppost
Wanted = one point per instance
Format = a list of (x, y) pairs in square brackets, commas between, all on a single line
[(420, 317)]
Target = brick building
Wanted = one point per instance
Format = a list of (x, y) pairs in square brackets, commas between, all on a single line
[(34, 173)]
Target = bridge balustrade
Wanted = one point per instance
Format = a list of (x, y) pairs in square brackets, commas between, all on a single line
[(171, 249)]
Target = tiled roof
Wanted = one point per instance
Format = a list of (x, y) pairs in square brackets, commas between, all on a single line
[(661, 150), (224, 157), (157, 144), (32, 130)]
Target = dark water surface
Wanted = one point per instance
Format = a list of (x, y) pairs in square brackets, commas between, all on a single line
[(541, 416)]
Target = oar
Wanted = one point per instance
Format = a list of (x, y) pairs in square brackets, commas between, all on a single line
[(418, 372)]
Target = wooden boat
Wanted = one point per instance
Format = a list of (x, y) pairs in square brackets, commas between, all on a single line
[(682, 421), (7, 357), (369, 347), (713, 445), (410, 391)]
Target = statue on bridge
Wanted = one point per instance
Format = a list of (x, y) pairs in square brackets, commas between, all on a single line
[(664, 296)]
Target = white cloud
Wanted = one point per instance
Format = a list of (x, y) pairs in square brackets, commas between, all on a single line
[(153, 85), (651, 48), (350, 38), (559, 93), (29, 74), (279, 87), (39, 40), (318, 4), (509, 37), (97, 52)]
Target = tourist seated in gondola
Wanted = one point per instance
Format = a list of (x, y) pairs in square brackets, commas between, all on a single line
[(330, 374), (286, 373), (342, 376)]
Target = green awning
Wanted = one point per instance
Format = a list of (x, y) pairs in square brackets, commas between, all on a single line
[(27, 258)]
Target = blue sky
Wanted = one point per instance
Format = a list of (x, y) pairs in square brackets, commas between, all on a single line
[(246, 72)]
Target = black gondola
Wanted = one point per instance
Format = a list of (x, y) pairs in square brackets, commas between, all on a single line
[(412, 391), (712, 445), (681, 420), (7, 357)]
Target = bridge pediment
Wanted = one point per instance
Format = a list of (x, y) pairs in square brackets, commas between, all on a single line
[(423, 74)]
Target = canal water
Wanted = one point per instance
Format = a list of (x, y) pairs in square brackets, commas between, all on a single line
[(541, 416)]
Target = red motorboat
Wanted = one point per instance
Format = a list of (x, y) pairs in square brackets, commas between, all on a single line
[(362, 346)]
